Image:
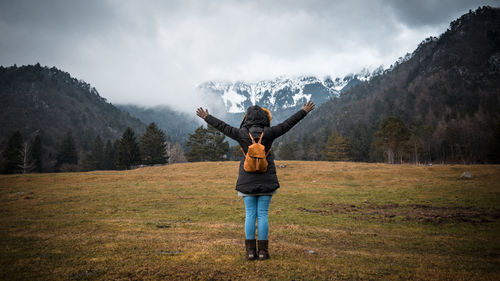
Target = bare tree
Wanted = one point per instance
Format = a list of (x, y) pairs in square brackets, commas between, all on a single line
[(176, 154), (28, 163)]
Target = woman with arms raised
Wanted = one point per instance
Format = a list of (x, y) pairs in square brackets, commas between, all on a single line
[(257, 180)]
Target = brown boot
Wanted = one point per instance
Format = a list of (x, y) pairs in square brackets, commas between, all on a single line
[(251, 249), (263, 252)]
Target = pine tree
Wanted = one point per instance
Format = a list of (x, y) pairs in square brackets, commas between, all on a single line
[(197, 145), (127, 150), (336, 148), (359, 143), (67, 151), (94, 160), (207, 145), (392, 137), (236, 153), (98, 153), (153, 146), (287, 151), (37, 153), (109, 156), (13, 154), (88, 162), (218, 147)]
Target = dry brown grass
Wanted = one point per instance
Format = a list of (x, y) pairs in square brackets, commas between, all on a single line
[(185, 222)]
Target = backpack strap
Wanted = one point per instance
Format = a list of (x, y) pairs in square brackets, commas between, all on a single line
[(244, 154), (253, 141), (260, 138)]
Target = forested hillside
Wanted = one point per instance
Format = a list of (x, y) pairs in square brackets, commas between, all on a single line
[(439, 104), (36, 100)]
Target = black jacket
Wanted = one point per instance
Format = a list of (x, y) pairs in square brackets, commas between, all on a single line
[(253, 183)]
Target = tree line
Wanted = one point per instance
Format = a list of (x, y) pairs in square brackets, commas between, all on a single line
[(393, 141), (152, 148)]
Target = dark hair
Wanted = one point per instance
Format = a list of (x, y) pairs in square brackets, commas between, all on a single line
[(255, 116)]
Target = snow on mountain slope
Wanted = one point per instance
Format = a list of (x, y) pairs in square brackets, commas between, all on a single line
[(282, 92)]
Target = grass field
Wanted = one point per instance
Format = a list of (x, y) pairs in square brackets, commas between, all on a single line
[(328, 221)]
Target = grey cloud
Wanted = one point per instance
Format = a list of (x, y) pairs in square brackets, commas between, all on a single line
[(433, 12), (156, 52)]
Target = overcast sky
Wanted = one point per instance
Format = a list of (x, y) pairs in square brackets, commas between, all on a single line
[(157, 52)]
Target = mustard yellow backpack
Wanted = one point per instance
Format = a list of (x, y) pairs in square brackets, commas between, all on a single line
[(255, 158)]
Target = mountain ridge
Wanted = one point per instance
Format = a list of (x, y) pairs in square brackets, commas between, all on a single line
[(447, 90), (52, 102), (282, 92)]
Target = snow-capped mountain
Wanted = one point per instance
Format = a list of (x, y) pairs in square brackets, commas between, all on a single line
[(281, 93)]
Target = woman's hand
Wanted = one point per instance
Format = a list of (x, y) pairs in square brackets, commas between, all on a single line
[(308, 106), (203, 113)]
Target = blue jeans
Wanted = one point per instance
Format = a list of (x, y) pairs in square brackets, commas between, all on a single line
[(256, 207)]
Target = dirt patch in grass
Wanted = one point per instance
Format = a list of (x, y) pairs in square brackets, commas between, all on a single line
[(413, 212)]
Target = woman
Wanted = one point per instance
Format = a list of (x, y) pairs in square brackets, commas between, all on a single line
[(256, 188)]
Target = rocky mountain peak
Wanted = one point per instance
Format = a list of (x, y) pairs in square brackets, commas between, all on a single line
[(281, 93)]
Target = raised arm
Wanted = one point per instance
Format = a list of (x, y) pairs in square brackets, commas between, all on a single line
[(220, 125), (286, 125)]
